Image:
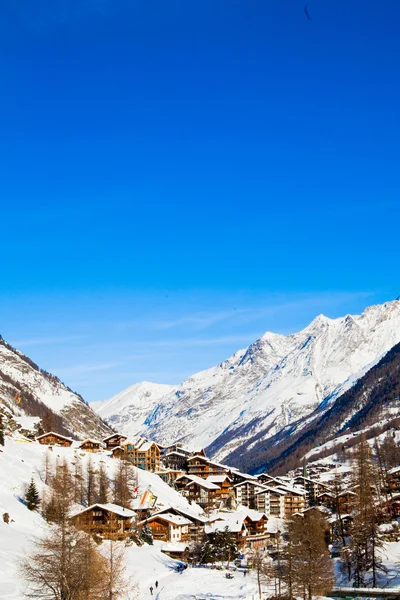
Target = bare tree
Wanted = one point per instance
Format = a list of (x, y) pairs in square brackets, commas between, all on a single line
[(123, 483), (103, 485)]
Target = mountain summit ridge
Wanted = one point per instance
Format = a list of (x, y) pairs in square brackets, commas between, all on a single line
[(273, 382)]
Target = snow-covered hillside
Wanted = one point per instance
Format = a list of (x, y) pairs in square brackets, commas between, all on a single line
[(21, 377), (127, 411), (274, 382)]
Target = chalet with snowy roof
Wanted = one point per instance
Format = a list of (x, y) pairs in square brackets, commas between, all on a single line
[(200, 466), (239, 477), (108, 520), (168, 527), (176, 460), (264, 478), (345, 501), (118, 452), (246, 491), (143, 454), (311, 486), (199, 490), (231, 521), (197, 522), (114, 441), (326, 499), (225, 495), (90, 445), (54, 439)]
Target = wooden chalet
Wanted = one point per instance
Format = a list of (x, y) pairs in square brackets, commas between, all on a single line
[(394, 480), (54, 439), (114, 441), (225, 495), (326, 499), (176, 460), (232, 522), (264, 478), (168, 527), (118, 452), (90, 445), (197, 522), (311, 486), (346, 501), (295, 501), (108, 520), (143, 454), (201, 466), (198, 490)]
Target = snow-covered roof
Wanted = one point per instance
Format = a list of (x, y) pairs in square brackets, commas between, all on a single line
[(271, 490), (117, 448), (114, 508), (234, 521), (394, 470), (218, 478), (170, 518), (186, 512), (120, 435), (201, 482), (255, 483), (38, 437), (176, 453), (91, 441)]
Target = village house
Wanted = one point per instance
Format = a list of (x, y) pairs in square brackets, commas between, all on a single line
[(225, 495), (326, 499), (118, 452), (108, 520), (168, 527), (200, 466), (345, 501), (199, 490), (295, 501), (311, 486), (197, 522), (91, 445), (54, 439), (257, 529), (271, 501), (394, 480), (239, 477), (169, 475), (233, 522), (143, 454), (176, 460), (265, 479), (115, 440), (246, 491)]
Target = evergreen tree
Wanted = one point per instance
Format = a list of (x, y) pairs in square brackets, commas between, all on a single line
[(103, 486), (32, 498), (90, 483), (1, 432), (311, 568), (123, 483), (146, 534)]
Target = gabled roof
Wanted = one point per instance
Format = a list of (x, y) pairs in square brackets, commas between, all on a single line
[(251, 482), (113, 508), (277, 491), (91, 442), (117, 448), (63, 437), (194, 480), (218, 478), (176, 453), (170, 518), (185, 512), (120, 435)]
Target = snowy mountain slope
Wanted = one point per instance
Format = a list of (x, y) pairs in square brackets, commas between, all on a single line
[(44, 395), (127, 411), (20, 460), (274, 382)]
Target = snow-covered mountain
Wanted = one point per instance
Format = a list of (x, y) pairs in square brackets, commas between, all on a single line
[(274, 382), (44, 395), (127, 411)]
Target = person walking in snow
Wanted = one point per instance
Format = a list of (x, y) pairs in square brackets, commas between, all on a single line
[(156, 584), (151, 590)]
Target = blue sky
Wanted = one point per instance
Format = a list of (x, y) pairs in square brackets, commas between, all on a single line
[(176, 178)]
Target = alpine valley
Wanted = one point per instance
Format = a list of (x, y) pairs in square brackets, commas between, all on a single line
[(249, 409)]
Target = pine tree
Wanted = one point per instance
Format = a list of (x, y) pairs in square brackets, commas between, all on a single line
[(103, 486), (32, 498), (146, 535), (57, 509), (90, 483), (1, 432), (123, 483), (312, 570)]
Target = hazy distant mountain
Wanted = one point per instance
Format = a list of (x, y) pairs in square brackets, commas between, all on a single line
[(274, 382), (127, 411)]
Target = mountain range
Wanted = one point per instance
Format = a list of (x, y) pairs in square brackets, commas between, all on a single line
[(262, 392)]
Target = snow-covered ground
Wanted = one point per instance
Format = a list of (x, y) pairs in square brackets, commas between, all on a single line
[(20, 460)]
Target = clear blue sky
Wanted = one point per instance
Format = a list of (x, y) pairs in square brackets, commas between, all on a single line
[(178, 177)]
